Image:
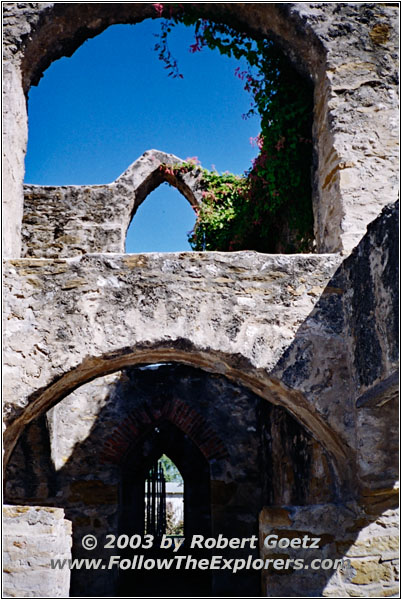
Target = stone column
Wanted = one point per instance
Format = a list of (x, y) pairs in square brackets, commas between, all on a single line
[(32, 537), (15, 135)]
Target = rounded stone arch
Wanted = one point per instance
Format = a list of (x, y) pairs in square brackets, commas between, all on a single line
[(58, 30), (235, 367)]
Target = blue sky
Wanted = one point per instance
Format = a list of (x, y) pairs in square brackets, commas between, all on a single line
[(95, 113)]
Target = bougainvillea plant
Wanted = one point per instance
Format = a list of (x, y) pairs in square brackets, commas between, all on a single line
[(268, 209)]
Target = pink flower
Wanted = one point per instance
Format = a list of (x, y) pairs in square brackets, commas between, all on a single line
[(159, 9), (198, 44), (240, 74), (258, 141), (193, 159)]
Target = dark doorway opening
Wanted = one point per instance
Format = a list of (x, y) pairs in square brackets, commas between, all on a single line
[(165, 439)]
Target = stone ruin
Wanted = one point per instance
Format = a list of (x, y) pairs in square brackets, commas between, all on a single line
[(270, 380)]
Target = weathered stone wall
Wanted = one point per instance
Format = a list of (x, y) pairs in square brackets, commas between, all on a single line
[(313, 334), (373, 333), (361, 305), (70, 221), (296, 330), (32, 536), (368, 547), (286, 316), (348, 50), (205, 309)]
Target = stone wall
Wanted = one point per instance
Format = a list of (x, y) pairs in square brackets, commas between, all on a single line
[(349, 51), (231, 313), (296, 330), (310, 336), (369, 565), (70, 221), (32, 536), (284, 315), (362, 309)]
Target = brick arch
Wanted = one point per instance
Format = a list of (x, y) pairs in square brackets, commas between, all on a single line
[(134, 427)]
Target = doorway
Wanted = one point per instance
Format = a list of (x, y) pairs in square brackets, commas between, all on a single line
[(141, 513)]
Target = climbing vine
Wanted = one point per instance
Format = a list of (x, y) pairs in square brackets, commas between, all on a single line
[(269, 208)]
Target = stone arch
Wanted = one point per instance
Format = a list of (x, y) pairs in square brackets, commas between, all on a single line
[(314, 38), (82, 478), (348, 48), (234, 367), (46, 42), (147, 172), (152, 169)]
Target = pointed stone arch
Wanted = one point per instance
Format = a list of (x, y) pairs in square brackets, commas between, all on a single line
[(152, 169), (147, 172)]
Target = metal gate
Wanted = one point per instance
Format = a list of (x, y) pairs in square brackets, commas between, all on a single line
[(155, 498)]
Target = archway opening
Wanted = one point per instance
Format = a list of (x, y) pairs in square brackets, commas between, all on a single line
[(152, 507), (162, 223), (92, 453), (269, 208), (180, 351)]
